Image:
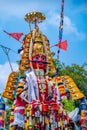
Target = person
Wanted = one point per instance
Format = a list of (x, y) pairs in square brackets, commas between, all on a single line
[(20, 105), (69, 106)]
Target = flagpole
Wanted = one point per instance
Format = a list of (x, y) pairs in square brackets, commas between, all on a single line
[(19, 41), (8, 48), (6, 51), (9, 62), (53, 46)]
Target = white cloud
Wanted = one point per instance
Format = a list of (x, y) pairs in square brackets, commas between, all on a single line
[(4, 72), (18, 9), (53, 19), (69, 27)]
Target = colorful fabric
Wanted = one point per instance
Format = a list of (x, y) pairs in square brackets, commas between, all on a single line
[(18, 120), (33, 93), (20, 105), (69, 105), (74, 115)]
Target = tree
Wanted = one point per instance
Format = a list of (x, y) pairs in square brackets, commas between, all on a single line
[(79, 75), (76, 72), (7, 119), (7, 115)]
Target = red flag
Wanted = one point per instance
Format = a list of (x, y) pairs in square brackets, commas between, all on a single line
[(63, 45), (15, 35)]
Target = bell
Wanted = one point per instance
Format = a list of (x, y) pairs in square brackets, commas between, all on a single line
[(10, 83), (7, 90), (27, 44), (26, 50), (12, 77), (77, 95), (7, 95), (25, 56), (22, 68)]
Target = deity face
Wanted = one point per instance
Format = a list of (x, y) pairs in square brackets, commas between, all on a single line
[(39, 61)]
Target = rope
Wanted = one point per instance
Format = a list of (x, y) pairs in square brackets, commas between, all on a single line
[(30, 26)]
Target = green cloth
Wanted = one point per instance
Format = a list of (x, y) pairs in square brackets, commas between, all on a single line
[(69, 105)]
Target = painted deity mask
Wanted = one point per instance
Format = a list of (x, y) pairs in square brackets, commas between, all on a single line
[(39, 61)]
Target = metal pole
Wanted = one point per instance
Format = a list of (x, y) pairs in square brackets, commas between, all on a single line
[(6, 51), (9, 62)]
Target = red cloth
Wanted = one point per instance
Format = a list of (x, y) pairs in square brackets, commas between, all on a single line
[(20, 103), (11, 120), (1, 123)]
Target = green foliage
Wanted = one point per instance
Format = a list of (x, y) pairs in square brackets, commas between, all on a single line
[(60, 66), (7, 114), (9, 102), (7, 119), (79, 75), (76, 72)]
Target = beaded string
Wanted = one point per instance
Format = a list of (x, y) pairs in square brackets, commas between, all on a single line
[(61, 26)]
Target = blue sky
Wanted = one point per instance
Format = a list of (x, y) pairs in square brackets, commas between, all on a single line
[(12, 14)]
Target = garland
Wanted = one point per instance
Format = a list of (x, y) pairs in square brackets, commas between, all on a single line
[(61, 24)]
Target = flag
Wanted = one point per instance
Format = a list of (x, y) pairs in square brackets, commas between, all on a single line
[(63, 45), (15, 35)]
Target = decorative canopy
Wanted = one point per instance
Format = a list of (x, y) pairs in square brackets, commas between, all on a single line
[(34, 17)]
